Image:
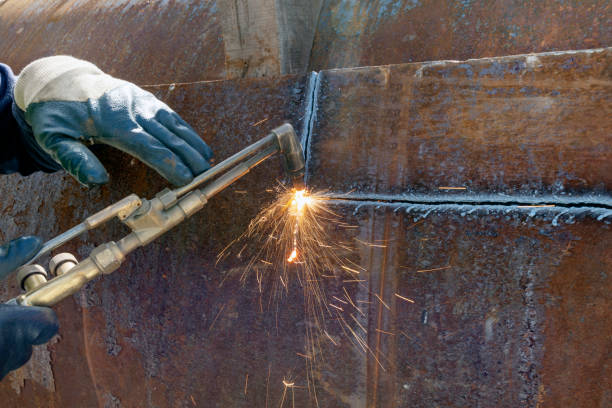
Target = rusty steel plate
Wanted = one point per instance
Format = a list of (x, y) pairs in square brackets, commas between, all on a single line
[(360, 33), (536, 124), (509, 304), (146, 42)]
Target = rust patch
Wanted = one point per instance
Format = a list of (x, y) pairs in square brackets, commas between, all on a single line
[(524, 124), (364, 33), (146, 42)]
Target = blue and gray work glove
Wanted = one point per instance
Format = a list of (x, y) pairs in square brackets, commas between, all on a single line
[(21, 327), (69, 103)]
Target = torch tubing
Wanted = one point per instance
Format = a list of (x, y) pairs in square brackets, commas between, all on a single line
[(237, 172), (121, 208), (226, 164)]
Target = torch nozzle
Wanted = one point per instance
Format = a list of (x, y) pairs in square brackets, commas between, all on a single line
[(293, 154)]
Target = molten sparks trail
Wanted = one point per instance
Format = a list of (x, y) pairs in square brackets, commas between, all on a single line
[(301, 199), (291, 229), (288, 246)]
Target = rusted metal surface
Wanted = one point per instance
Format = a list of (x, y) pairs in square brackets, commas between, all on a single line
[(250, 36), (267, 37), (153, 42), (507, 304), (147, 42), (157, 42), (510, 306), (354, 33), (526, 124)]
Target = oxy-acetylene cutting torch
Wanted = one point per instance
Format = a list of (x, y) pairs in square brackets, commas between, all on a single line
[(148, 220)]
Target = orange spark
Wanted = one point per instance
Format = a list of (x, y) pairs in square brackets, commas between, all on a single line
[(340, 300), (337, 307), (404, 298), (330, 338), (434, 269), (350, 269), (382, 301)]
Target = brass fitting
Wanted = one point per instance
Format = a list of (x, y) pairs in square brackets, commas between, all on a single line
[(29, 277)]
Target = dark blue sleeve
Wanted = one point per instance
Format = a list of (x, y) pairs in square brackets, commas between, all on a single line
[(19, 152)]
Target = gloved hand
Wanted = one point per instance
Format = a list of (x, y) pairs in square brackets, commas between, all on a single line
[(69, 103), (16, 253), (21, 326)]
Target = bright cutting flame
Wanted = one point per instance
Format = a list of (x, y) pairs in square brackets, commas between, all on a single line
[(293, 255), (300, 200)]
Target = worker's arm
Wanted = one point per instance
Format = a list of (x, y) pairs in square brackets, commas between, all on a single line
[(19, 152)]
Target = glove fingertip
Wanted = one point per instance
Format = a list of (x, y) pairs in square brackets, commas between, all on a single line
[(28, 245), (47, 325), (197, 165), (190, 135), (92, 178), (17, 252), (172, 168), (78, 160), (180, 178), (208, 153)]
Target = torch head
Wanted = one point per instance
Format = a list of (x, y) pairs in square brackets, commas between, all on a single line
[(292, 154)]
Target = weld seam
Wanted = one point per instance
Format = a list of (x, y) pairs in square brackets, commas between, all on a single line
[(310, 116), (527, 203)]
